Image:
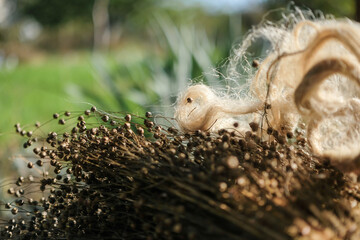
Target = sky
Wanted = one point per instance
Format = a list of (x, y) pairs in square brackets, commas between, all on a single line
[(218, 6)]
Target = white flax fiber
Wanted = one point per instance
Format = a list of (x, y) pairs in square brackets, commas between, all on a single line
[(309, 75)]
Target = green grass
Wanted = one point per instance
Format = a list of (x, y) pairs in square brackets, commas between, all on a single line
[(34, 91), (129, 79)]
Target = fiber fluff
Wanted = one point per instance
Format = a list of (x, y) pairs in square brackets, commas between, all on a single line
[(310, 74)]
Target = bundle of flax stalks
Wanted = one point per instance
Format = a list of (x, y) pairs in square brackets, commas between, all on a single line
[(267, 175), (140, 181)]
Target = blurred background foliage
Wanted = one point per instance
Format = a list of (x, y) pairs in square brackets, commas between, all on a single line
[(120, 55)]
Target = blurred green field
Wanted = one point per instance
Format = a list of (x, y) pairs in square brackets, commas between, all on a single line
[(34, 91), (133, 78)]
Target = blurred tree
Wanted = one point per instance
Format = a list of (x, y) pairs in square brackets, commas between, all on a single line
[(54, 12)]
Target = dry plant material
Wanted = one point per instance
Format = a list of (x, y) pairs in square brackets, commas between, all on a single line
[(99, 175), (113, 176), (310, 75)]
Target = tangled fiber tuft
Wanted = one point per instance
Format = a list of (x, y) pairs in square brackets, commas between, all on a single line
[(310, 75)]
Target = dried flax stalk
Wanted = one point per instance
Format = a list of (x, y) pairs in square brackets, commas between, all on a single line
[(132, 179)]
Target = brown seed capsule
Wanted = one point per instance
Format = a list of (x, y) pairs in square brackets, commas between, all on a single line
[(148, 124), (81, 118), (36, 150), (53, 135), (182, 156), (93, 109), (67, 114), (62, 121), (66, 179), (19, 202), (189, 100), (39, 163), (53, 162), (140, 131), (56, 115), (127, 125), (105, 118), (289, 135), (42, 154), (21, 179), (29, 133), (128, 117), (81, 124), (255, 64), (30, 165), (37, 124), (27, 144), (11, 190), (74, 130), (254, 126), (232, 162), (94, 131), (148, 114), (14, 211), (177, 228)]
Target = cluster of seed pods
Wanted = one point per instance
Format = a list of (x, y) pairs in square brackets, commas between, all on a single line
[(122, 176)]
